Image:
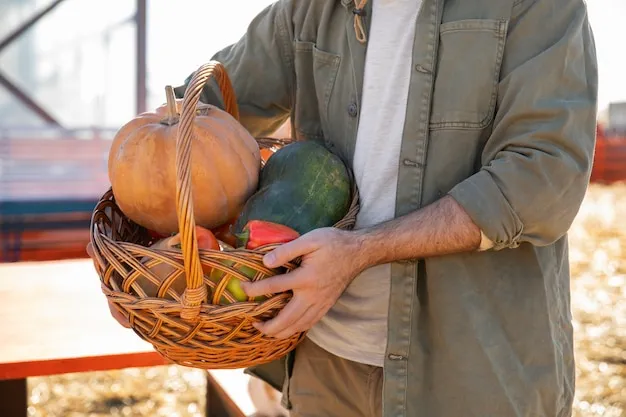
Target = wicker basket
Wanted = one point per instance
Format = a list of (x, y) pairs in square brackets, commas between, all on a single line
[(190, 329)]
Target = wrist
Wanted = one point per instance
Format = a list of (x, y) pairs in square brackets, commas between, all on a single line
[(367, 253)]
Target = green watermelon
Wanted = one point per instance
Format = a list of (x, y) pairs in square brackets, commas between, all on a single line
[(303, 186)]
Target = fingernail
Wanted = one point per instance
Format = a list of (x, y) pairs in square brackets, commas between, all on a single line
[(269, 260)]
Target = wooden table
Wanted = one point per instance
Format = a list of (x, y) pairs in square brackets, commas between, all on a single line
[(54, 319)]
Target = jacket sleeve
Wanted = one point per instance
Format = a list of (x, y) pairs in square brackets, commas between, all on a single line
[(536, 164), (260, 67)]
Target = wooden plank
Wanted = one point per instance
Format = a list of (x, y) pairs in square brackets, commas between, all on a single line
[(47, 254), (42, 190), (47, 238), (53, 167), (25, 369), (58, 321), (56, 149)]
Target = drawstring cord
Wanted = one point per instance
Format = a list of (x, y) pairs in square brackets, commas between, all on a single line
[(359, 12)]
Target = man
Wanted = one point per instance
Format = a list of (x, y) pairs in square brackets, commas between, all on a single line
[(470, 128)]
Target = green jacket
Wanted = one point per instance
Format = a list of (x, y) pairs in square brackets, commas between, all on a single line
[(501, 115)]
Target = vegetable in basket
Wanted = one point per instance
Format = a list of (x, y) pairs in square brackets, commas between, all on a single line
[(256, 234), (224, 232), (234, 284), (206, 240), (303, 186), (224, 169), (156, 236)]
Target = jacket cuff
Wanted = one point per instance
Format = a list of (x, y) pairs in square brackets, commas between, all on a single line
[(484, 202)]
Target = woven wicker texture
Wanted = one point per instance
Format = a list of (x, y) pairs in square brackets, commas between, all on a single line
[(167, 294)]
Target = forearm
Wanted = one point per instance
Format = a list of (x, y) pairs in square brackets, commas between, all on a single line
[(440, 228)]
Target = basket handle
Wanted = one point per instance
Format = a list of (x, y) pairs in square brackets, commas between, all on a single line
[(195, 292)]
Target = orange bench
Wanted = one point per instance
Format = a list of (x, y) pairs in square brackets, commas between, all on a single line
[(54, 320)]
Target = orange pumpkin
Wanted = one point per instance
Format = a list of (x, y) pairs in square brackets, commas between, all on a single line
[(225, 166)]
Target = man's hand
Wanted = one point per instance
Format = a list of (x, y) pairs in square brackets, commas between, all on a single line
[(114, 311), (331, 259)]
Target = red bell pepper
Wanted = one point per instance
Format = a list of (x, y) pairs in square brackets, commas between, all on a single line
[(258, 233)]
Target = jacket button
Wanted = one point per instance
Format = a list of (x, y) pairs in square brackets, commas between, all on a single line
[(352, 109), (395, 357), (422, 69)]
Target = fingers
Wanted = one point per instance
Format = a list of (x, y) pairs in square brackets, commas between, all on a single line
[(303, 323), (273, 285), (289, 251), (90, 250), (289, 315)]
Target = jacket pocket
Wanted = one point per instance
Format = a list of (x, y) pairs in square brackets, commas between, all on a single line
[(468, 68), (316, 72)]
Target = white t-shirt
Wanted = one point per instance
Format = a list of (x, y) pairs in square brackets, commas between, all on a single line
[(356, 327)]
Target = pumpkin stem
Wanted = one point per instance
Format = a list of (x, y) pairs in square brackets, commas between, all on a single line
[(172, 115)]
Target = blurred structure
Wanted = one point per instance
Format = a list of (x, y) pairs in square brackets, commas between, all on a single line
[(610, 158), (55, 101)]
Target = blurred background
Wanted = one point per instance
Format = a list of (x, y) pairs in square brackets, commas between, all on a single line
[(73, 71)]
